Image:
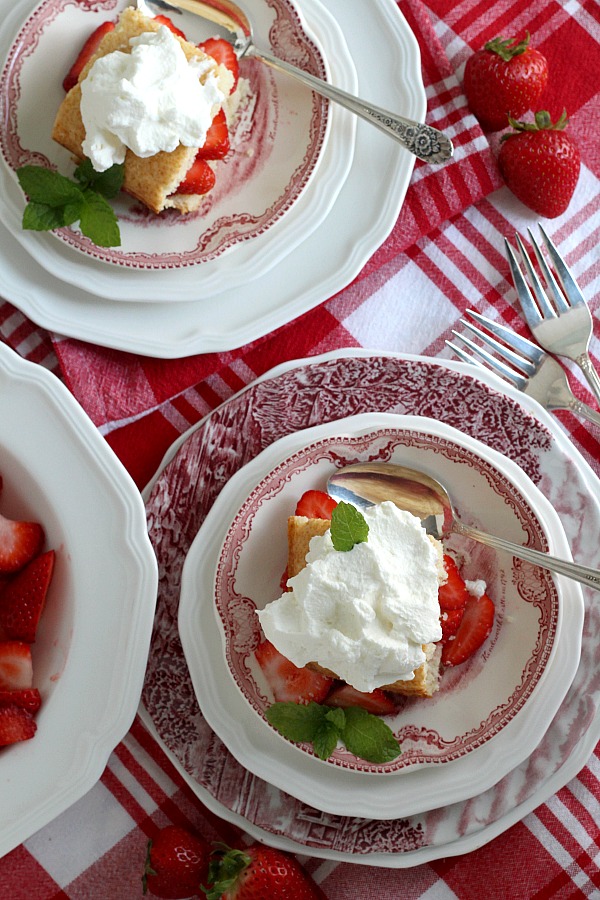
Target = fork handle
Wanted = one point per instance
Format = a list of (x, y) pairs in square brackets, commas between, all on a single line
[(582, 574), (587, 367)]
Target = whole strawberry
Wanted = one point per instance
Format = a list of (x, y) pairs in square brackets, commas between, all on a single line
[(540, 164), (176, 864), (506, 78), (257, 873)]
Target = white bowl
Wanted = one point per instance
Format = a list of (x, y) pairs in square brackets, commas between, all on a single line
[(489, 713), (91, 649), (283, 137)]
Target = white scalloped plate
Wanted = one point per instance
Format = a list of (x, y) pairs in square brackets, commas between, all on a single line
[(325, 389), (489, 714), (376, 184), (90, 654), (284, 137)]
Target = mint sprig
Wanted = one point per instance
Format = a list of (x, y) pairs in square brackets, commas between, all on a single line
[(348, 527), (365, 735), (56, 201)]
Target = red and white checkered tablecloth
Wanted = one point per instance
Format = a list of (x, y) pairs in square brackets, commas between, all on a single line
[(447, 248)]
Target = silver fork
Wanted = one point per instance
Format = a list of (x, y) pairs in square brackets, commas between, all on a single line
[(560, 320), (522, 363)]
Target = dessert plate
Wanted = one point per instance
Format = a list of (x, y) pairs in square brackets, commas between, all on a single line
[(488, 715), (283, 136), (325, 389), (91, 648), (307, 275)]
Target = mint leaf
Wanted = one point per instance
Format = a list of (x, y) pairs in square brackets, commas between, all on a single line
[(348, 526), (326, 738), (107, 183), (41, 217), (55, 201), (98, 220), (46, 186), (296, 721), (362, 733), (369, 737)]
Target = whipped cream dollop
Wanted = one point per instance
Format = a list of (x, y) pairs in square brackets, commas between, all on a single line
[(363, 613), (148, 100)]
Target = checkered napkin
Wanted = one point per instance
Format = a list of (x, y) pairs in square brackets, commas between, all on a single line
[(119, 389)]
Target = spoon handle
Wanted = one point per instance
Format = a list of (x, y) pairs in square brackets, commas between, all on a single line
[(583, 574), (422, 140)]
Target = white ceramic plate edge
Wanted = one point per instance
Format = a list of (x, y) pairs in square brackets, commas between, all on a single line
[(87, 748)]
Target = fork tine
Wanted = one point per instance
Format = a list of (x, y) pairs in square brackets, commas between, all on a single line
[(544, 307), (552, 287), (570, 286), (519, 362), (489, 361), (530, 310), (520, 345)]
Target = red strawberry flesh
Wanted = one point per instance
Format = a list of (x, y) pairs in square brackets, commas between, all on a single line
[(19, 543), (16, 724), (288, 682), (474, 628), (22, 600), (315, 505), (376, 702), (85, 54), (16, 668), (223, 54)]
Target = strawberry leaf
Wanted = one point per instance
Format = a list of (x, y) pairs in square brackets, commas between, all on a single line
[(348, 527)]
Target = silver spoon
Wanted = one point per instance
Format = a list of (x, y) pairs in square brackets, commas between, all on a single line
[(364, 484), (422, 140)]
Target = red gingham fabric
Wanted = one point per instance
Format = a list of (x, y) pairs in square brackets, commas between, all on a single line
[(447, 247)]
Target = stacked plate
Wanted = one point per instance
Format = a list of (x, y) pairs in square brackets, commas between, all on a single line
[(174, 286), (504, 732)]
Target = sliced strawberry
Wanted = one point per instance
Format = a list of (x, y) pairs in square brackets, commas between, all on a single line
[(16, 669), (224, 54), (165, 20), (450, 619), (216, 145), (19, 543), (22, 601), (377, 702), (315, 505), (16, 724), (453, 594), (287, 681), (474, 628), (85, 54), (28, 698), (200, 179)]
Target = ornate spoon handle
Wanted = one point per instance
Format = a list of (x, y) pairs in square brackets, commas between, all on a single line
[(422, 140)]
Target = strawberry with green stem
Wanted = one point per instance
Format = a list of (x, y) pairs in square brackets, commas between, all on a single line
[(505, 78), (540, 164), (255, 873)]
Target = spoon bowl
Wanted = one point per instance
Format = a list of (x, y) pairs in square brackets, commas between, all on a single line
[(364, 484), (425, 142)]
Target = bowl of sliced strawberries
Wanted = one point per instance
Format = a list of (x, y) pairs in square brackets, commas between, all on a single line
[(493, 672), (26, 571), (78, 581)]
